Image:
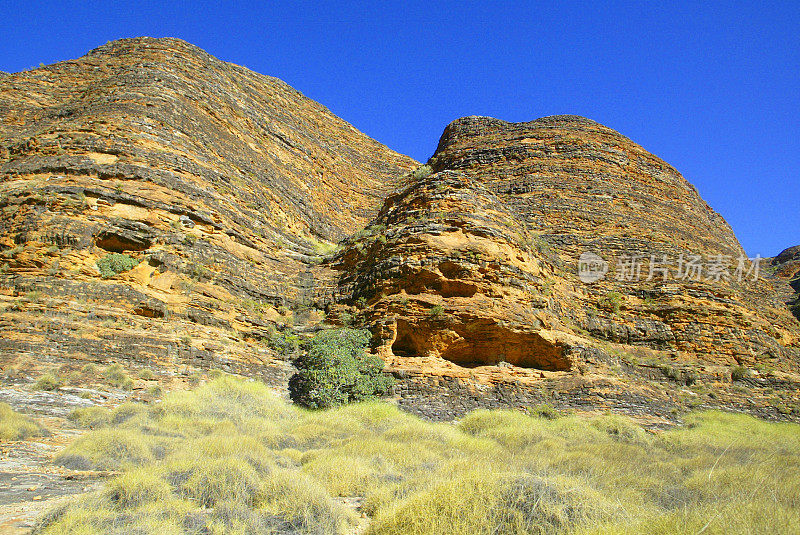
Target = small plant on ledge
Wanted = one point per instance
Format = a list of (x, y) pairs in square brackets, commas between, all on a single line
[(436, 311), (115, 263)]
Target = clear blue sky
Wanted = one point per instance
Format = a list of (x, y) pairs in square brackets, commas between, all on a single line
[(711, 87)]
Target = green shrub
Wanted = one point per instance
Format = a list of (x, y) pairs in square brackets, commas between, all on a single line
[(347, 319), (16, 426), (146, 375), (336, 369), (544, 411), (284, 343), (436, 311), (48, 382), (687, 377), (611, 301), (116, 263)]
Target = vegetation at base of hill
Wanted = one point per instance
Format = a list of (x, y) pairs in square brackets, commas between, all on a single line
[(48, 382), (115, 375), (335, 369), (16, 426), (115, 263), (285, 343), (231, 457)]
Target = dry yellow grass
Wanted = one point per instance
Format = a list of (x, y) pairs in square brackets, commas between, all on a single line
[(230, 457), (16, 426)]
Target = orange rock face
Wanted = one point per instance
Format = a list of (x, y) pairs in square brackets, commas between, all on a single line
[(494, 237), (471, 270), (225, 185), (163, 207)]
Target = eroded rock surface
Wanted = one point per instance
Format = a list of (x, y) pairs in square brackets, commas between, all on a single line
[(163, 208), (472, 270), (226, 186), (787, 270)]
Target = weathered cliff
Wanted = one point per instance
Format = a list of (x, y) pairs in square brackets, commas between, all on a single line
[(224, 186), (787, 275), (163, 208), (472, 270)]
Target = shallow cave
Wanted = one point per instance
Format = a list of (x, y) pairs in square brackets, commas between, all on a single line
[(119, 243), (456, 288), (481, 343)]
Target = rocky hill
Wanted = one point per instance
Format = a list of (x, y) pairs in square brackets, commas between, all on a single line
[(162, 208), (223, 186), (471, 272)]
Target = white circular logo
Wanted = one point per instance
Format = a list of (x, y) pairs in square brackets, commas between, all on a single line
[(591, 267)]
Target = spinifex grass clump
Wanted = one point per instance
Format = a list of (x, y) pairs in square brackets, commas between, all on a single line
[(231, 457), (16, 426), (48, 382)]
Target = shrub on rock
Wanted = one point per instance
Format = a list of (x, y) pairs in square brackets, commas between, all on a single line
[(116, 263)]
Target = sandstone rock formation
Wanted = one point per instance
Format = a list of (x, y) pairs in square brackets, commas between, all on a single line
[(472, 270), (226, 185), (787, 269), (165, 208)]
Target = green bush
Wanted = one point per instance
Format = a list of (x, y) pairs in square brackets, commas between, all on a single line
[(284, 343), (336, 370), (611, 301), (147, 375), (116, 376), (116, 263), (544, 411), (739, 372), (423, 171), (436, 311)]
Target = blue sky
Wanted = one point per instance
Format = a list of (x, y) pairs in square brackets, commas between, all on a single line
[(711, 87)]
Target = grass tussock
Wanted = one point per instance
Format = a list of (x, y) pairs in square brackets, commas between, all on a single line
[(115, 375), (230, 457), (48, 382), (16, 426)]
